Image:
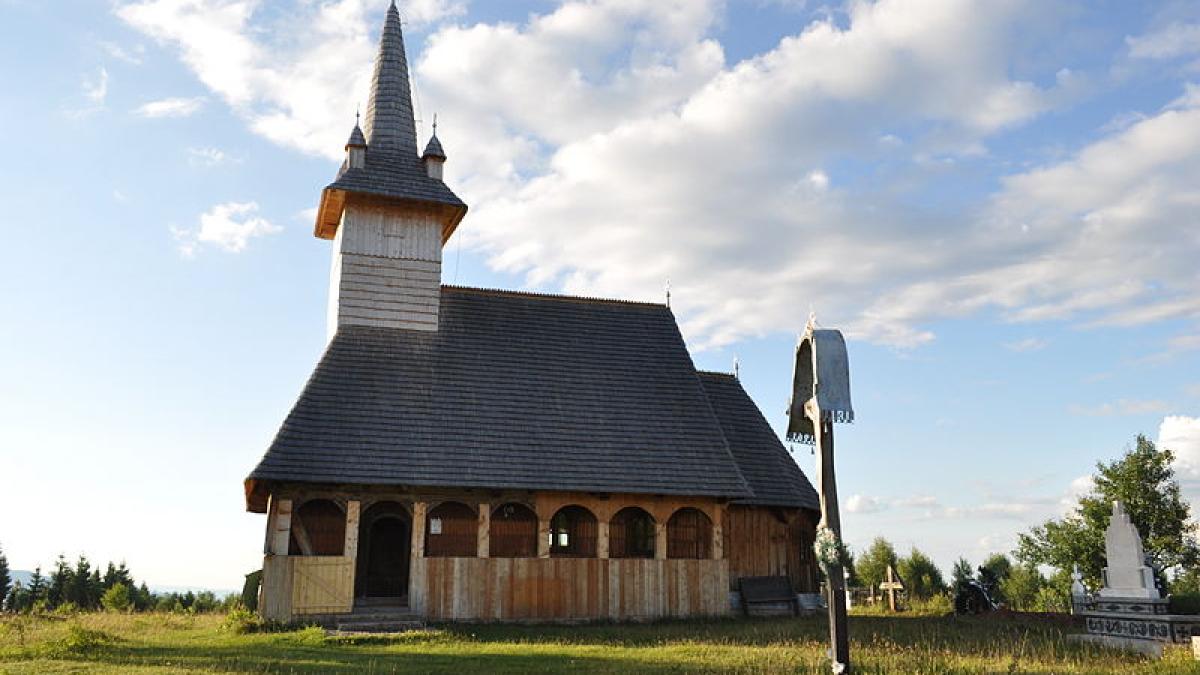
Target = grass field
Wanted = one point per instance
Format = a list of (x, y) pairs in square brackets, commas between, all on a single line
[(160, 643)]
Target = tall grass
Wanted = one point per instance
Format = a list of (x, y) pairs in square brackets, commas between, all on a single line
[(150, 643)]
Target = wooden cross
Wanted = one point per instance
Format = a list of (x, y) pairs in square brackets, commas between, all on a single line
[(891, 586)]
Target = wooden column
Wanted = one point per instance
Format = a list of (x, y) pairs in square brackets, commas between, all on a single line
[(283, 527), (660, 539), (543, 537), (416, 567), (485, 530), (350, 549), (718, 535), (602, 539), (269, 535)]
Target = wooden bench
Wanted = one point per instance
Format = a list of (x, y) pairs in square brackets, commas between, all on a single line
[(768, 596)]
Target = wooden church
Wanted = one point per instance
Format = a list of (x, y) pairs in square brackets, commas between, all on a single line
[(477, 454)]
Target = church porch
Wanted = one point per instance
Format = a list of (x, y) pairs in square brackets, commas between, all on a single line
[(504, 557)]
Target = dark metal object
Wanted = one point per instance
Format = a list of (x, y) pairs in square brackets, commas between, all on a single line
[(972, 598)]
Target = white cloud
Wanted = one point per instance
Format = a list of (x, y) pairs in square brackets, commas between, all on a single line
[(1031, 344), (96, 89), (1121, 407), (1173, 40), (132, 55), (170, 107), (863, 504), (209, 157), (95, 93), (229, 226), (1181, 435), (653, 147), (428, 11)]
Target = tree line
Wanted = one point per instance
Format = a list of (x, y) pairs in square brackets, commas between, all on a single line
[(83, 587), (1143, 479)]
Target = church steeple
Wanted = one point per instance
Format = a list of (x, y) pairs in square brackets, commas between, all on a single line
[(388, 212), (390, 124)]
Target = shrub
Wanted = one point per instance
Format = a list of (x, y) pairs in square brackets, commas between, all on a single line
[(240, 620), (80, 641), (116, 598), (1185, 603), (67, 608)]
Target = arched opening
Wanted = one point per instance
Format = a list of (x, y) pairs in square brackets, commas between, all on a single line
[(318, 528), (452, 531), (689, 534), (573, 533), (631, 534), (512, 532), (384, 543)]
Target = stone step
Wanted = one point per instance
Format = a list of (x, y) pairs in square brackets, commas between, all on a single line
[(375, 626)]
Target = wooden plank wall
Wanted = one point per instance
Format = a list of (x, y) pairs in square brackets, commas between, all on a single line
[(275, 596), (518, 589), (761, 541), (386, 269)]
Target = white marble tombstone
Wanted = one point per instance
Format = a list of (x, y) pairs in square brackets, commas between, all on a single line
[(1127, 575)]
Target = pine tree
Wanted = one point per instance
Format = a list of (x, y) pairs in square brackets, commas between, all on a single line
[(5, 579), (37, 586), (961, 574), (79, 590), (60, 580)]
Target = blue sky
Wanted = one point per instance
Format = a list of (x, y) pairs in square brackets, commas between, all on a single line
[(997, 204)]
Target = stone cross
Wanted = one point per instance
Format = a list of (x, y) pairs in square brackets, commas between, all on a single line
[(891, 586)]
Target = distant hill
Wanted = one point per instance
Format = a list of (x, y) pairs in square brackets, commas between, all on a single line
[(24, 576)]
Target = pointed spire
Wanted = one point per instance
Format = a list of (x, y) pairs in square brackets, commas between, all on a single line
[(390, 124), (434, 147), (357, 140)]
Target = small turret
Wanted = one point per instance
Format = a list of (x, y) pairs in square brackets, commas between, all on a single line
[(356, 149), (434, 157)]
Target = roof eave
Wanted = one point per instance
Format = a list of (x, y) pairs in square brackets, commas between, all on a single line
[(334, 201), (256, 496), (329, 213)]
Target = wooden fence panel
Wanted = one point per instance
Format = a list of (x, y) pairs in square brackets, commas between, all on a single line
[(518, 589), (322, 585)]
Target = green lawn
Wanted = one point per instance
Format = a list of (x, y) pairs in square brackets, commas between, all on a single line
[(159, 643)]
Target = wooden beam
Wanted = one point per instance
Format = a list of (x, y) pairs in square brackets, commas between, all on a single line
[(660, 539), (602, 539), (301, 535), (543, 540), (350, 548), (485, 531), (417, 567), (718, 533), (283, 527)]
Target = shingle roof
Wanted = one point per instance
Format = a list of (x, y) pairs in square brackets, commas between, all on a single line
[(434, 148), (514, 390), (390, 124), (393, 168), (764, 462), (356, 138)]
